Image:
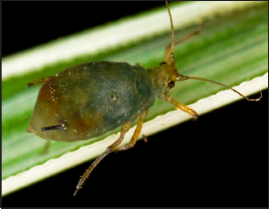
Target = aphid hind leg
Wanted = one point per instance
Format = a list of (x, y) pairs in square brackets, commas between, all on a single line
[(38, 81), (181, 106), (110, 149), (136, 133)]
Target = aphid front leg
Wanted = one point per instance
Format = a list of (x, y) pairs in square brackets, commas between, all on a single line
[(136, 133), (110, 149), (38, 81), (181, 106)]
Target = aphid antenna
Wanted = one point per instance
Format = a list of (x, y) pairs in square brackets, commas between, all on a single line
[(182, 77), (172, 29)]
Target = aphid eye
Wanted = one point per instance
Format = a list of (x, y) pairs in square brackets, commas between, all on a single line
[(171, 84), (162, 63)]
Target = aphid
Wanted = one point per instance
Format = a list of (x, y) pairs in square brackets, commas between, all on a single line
[(90, 99)]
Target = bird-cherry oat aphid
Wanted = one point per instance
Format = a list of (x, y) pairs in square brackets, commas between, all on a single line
[(91, 99)]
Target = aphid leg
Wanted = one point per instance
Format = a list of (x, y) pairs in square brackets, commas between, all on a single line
[(181, 106), (145, 138), (38, 81), (110, 149), (136, 133), (46, 148)]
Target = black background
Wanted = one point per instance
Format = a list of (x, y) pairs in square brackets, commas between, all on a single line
[(27, 24), (220, 161)]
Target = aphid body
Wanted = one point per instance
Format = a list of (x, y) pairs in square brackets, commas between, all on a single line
[(90, 99)]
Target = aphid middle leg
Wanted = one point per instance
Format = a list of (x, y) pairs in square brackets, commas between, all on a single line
[(38, 81), (136, 133), (181, 106), (110, 149), (46, 148)]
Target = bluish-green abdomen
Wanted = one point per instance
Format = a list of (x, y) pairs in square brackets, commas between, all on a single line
[(91, 99)]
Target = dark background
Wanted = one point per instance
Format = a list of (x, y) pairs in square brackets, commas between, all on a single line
[(220, 161), (27, 24)]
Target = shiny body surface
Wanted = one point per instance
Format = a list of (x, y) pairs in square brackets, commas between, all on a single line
[(91, 99)]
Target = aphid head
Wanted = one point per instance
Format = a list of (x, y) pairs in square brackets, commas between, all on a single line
[(166, 74)]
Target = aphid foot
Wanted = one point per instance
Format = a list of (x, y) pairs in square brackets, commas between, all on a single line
[(77, 189), (194, 120), (145, 138), (110, 149)]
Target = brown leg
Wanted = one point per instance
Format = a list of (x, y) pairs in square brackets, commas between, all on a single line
[(145, 138), (110, 149), (38, 81), (169, 58), (181, 106), (136, 133)]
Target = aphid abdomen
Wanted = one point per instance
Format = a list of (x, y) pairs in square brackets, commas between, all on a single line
[(91, 99)]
